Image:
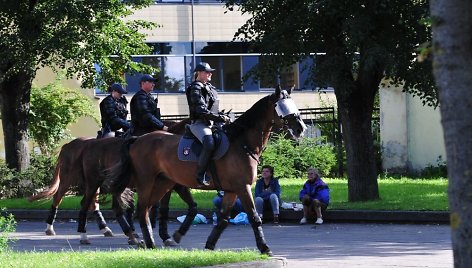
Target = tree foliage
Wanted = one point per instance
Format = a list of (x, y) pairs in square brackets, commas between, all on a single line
[(383, 35), (75, 36), (71, 35), (53, 108), (358, 44)]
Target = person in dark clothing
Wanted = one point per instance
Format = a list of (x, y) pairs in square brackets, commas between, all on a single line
[(267, 192), (145, 116), (204, 111), (113, 111)]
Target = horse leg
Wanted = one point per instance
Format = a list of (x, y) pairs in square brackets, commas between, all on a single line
[(123, 220), (82, 223), (255, 221), (154, 214), (163, 207), (185, 194), (223, 219), (102, 224), (57, 199), (129, 213), (146, 229)]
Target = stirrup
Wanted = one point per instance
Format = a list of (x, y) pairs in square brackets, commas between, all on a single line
[(203, 181)]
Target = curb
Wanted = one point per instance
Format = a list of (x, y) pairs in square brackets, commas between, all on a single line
[(272, 262), (285, 215)]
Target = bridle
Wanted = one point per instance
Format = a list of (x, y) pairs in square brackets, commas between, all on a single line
[(284, 108)]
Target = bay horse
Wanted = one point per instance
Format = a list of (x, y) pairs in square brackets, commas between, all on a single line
[(79, 164), (152, 163)]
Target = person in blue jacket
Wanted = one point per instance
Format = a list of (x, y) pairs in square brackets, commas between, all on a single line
[(267, 192), (314, 196)]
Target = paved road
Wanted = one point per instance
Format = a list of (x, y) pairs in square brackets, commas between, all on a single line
[(329, 245)]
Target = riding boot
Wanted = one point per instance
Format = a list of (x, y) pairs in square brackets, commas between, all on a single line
[(205, 157)]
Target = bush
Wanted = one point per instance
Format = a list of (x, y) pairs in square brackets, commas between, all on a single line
[(7, 225), (440, 170), (14, 184), (53, 108), (291, 160)]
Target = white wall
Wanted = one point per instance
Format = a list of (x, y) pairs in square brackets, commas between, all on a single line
[(411, 134)]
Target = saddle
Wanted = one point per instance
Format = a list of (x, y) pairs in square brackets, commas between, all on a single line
[(190, 147)]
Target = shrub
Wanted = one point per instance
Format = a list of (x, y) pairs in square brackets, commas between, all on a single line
[(53, 108), (439, 170), (7, 225), (14, 184), (291, 160)]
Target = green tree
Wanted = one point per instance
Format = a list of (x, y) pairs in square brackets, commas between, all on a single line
[(363, 42), (452, 43), (72, 35), (53, 108)]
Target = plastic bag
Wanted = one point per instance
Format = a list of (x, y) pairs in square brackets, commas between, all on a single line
[(199, 218), (240, 219)]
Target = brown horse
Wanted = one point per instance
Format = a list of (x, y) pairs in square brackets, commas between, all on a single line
[(152, 163), (79, 164)]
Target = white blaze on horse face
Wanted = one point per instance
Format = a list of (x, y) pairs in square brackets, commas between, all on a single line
[(285, 107)]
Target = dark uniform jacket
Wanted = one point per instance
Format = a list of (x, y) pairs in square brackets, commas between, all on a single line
[(113, 112), (203, 102), (145, 116)]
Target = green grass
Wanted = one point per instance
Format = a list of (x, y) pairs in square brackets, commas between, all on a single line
[(127, 258), (395, 194)]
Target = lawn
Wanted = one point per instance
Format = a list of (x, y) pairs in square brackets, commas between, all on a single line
[(127, 258), (395, 194)]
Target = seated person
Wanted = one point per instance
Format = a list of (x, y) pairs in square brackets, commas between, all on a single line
[(267, 193), (314, 197), (237, 207)]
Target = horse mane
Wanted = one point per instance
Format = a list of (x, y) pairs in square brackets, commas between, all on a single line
[(246, 120)]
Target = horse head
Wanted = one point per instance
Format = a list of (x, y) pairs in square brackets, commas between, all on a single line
[(288, 115)]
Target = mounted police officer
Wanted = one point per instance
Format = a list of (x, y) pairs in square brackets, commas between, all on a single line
[(113, 112), (145, 116), (204, 111)]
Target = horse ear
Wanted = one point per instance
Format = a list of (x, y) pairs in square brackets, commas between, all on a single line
[(289, 91), (278, 90)]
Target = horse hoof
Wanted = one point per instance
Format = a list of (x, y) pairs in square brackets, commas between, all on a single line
[(208, 247), (268, 252), (84, 242), (177, 237), (141, 244), (170, 243), (133, 242), (50, 232), (108, 233)]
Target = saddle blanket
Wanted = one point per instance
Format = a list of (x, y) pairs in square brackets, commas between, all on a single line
[(189, 148)]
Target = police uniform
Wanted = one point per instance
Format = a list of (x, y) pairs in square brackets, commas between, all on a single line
[(113, 112), (145, 116), (204, 110)]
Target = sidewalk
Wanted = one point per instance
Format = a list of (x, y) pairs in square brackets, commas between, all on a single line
[(285, 215), (330, 245)]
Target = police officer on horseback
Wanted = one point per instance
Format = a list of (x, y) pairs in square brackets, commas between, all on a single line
[(204, 111), (114, 112), (145, 116)]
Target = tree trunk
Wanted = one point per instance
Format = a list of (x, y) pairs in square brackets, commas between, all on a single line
[(452, 43), (356, 119), (15, 100)]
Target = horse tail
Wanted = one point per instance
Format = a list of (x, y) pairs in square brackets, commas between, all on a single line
[(52, 189), (118, 176)]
